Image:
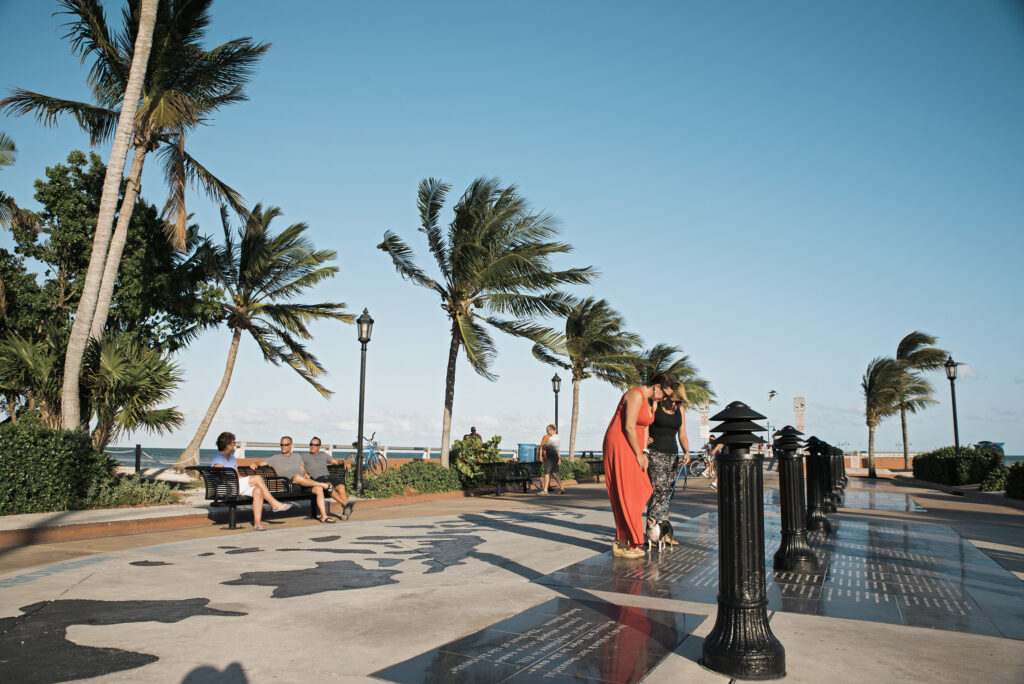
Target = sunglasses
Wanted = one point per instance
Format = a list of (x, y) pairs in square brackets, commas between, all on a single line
[(314, 444), (285, 444)]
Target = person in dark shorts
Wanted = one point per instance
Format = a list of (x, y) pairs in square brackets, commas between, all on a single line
[(316, 464), (549, 446)]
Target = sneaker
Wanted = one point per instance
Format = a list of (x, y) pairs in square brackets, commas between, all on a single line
[(543, 492), (714, 486)]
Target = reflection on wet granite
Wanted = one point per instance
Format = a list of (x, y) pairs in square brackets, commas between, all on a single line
[(34, 646), (863, 500), (900, 573), (561, 640)]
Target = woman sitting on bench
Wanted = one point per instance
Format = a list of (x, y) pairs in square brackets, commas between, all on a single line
[(253, 485)]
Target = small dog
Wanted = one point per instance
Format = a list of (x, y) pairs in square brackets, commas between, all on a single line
[(659, 533)]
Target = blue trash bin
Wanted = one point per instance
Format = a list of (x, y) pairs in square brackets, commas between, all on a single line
[(526, 452)]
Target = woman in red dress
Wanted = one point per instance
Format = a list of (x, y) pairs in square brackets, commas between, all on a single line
[(625, 463)]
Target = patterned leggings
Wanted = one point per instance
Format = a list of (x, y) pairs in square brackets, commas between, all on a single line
[(662, 471)]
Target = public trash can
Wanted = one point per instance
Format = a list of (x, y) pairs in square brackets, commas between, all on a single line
[(526, 453)]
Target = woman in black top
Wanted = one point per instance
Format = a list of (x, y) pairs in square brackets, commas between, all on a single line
[(669, 426)]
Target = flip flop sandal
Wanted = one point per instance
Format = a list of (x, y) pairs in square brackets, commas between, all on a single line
[(259, 528), (327, 520)]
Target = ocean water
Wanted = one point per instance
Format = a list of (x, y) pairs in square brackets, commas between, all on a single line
[(157, 457)]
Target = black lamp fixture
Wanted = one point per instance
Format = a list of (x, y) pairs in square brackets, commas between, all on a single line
[(950, 367), (364, 329), (556, 385)]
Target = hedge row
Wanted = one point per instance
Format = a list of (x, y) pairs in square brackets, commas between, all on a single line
[(1015, 481), (946, 466)]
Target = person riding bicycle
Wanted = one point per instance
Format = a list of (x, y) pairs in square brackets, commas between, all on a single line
[(316, 464)]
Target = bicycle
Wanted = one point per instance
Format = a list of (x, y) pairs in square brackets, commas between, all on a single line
[(701, 464), (374, 460)]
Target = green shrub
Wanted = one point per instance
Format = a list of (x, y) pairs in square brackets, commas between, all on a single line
[(466, 456), (1015, 481), (130, 490), (422, 476), (42, 469), (574, 470), (995, 481), (946, 466)]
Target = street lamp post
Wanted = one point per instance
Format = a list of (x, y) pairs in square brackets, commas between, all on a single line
[(950, 366), (364, 328), (556, 385)]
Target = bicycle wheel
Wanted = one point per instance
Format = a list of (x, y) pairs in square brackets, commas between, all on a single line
[(697, 467), (375, 464)]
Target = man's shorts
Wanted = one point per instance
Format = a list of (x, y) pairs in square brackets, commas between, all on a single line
[(334, 481), (550, 464)]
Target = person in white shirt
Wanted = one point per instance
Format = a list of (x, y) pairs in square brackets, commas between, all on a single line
[(549, 446)]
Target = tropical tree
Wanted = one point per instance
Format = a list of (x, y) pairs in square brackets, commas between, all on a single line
[(183, 86), (261, 274), (595, 344), (30, 373), (494, 262), (882, 386), (916, 355), (661, 358), (8, 153), (126, 384)]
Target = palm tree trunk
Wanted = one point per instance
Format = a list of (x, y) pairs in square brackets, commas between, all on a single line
[(871, 451), (124, 219), (190, 456), (82, 325), (906, 442), (449, 397), (575, 416)]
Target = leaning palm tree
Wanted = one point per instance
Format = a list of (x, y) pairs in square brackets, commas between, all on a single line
[(916, 355), (261, 273), (881, 385), (182, 87), (494, 259), (661, 358), (595, 344)]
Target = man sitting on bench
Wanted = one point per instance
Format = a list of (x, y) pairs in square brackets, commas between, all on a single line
[(289, 466), (253, 485), (316, 467)]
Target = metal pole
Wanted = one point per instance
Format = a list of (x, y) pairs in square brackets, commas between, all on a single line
[(138, 458), (362, 397), (556, 408), (956, 429), (816, 519), (794, 554)]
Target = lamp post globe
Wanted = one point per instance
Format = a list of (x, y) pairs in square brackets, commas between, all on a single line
[(364, 330)]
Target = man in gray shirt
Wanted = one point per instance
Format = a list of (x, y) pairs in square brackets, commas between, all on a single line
[(289, 466), (316, 467)]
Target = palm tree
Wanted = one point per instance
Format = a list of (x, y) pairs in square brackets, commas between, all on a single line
[(881, 385), (594, 344), (182, 87), (661, 359), (494, 259), (8, 153), (916, 355), (261, 273), (126, 383)]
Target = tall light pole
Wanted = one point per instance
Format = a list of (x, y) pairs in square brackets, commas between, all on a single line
[(950, 366), (556, 385), (364, 328)]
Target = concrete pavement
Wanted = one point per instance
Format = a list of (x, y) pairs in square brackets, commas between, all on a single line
[(341, 602)]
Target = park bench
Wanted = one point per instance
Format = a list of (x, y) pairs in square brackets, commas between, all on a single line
[(222, 488), (507, 473), (596, 466)]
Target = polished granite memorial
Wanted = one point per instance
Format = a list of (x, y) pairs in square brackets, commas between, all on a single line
[(561, 640), (901, 573), (862, 500)]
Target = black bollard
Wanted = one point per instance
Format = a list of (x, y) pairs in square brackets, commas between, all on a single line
[(830, 497), (837, 473), (138, 458), (842, 469), (794, 555), (816, 520), (741, 643)]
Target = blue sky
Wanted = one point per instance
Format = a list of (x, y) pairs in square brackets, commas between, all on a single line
[(783, 190)]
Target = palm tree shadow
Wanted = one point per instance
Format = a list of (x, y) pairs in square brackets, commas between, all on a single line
[(206, 674)]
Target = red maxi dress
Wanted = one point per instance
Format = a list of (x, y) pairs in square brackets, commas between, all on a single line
[(629, 488)]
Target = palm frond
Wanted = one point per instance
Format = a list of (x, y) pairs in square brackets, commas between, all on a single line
[(401, 257), (477, 345), (98, 122), (915, 352), (8, 152)]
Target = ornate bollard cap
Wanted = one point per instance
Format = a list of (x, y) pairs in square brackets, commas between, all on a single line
[(788, 439), (815, 445), (738, 426)]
